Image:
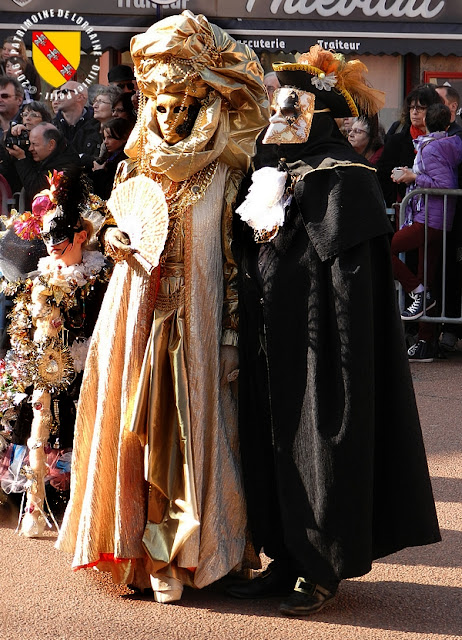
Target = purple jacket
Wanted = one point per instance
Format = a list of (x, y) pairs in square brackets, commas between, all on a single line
[(436, 165)]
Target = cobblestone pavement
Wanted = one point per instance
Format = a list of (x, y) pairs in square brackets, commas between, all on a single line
[(414, 594)]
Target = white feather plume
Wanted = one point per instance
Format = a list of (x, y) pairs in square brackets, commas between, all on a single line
[(264, 206)]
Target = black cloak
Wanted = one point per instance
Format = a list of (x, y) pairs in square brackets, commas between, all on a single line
[(333, 457)]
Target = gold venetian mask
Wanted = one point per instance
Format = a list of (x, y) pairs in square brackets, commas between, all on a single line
[(291, 116), (175, 114)]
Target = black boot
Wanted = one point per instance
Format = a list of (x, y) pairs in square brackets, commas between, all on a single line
[(274, 581), (307, 598)]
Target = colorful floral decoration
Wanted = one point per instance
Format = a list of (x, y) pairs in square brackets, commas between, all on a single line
[(57, 290), (28, 225)]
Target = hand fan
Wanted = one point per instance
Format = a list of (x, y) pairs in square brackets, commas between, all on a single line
[(140, 210)]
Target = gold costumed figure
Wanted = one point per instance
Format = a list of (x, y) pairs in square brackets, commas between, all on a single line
[(156, 489)]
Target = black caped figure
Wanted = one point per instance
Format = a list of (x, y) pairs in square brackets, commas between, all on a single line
[(334, 463)]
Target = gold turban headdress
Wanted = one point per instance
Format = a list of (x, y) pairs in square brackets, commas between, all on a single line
[(187, 54)]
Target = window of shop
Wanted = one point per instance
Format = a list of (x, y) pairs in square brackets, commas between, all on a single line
[(442, 78)]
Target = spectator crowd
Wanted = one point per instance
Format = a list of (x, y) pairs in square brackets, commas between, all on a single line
[(78, 128), (89, 129)]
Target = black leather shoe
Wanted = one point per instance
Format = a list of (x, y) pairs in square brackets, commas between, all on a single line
[(270, 583), (306, 598)]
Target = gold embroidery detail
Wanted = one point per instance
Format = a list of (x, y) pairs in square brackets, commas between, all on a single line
[(170, 301), (180, 196)]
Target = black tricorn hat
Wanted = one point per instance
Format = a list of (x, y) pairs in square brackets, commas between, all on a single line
[(337, 85)]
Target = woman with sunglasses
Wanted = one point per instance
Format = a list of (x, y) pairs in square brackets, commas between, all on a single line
[(399, 147)]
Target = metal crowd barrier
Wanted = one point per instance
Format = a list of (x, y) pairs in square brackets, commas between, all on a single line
[(445, 193), (6, 201)]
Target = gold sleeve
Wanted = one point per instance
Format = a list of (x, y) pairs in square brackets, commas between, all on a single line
[(230, 302)]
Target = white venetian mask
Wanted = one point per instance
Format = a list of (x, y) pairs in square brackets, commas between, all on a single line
[(292, 114)]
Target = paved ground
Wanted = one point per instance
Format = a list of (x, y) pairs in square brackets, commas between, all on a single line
[(415, 594)]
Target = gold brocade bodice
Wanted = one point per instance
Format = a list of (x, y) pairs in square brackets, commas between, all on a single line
[(174, 246), (170, 294), (179, 196)]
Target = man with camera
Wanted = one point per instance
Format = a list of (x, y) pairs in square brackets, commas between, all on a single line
[(48, 150)]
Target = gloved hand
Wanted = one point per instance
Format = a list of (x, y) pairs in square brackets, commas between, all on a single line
[(117, 239), (116, 244)]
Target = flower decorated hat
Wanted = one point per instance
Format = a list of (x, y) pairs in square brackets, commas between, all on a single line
[(337, 85), (69, 196)]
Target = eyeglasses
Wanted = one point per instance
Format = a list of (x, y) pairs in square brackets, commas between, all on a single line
[(32, 114), (129, 85), (356, 131), (5, 96), (118, 110), (417, 107), (100, 102)]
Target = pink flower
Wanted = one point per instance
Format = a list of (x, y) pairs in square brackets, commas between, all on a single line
[(29, 225), (41, 204)]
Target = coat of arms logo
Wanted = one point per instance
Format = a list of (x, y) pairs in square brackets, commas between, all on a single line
[(56, 55)]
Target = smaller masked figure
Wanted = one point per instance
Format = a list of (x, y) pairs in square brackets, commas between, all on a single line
[(53, 315)]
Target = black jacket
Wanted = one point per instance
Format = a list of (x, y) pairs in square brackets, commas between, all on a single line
[(84, 137), (33, 175), (103, 179), (398, 151)]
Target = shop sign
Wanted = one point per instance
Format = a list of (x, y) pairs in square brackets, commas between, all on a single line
[(371, 10), (448, 11), (427, 9)]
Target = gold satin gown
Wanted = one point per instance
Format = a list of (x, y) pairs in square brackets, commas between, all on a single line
[(156, 492)]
